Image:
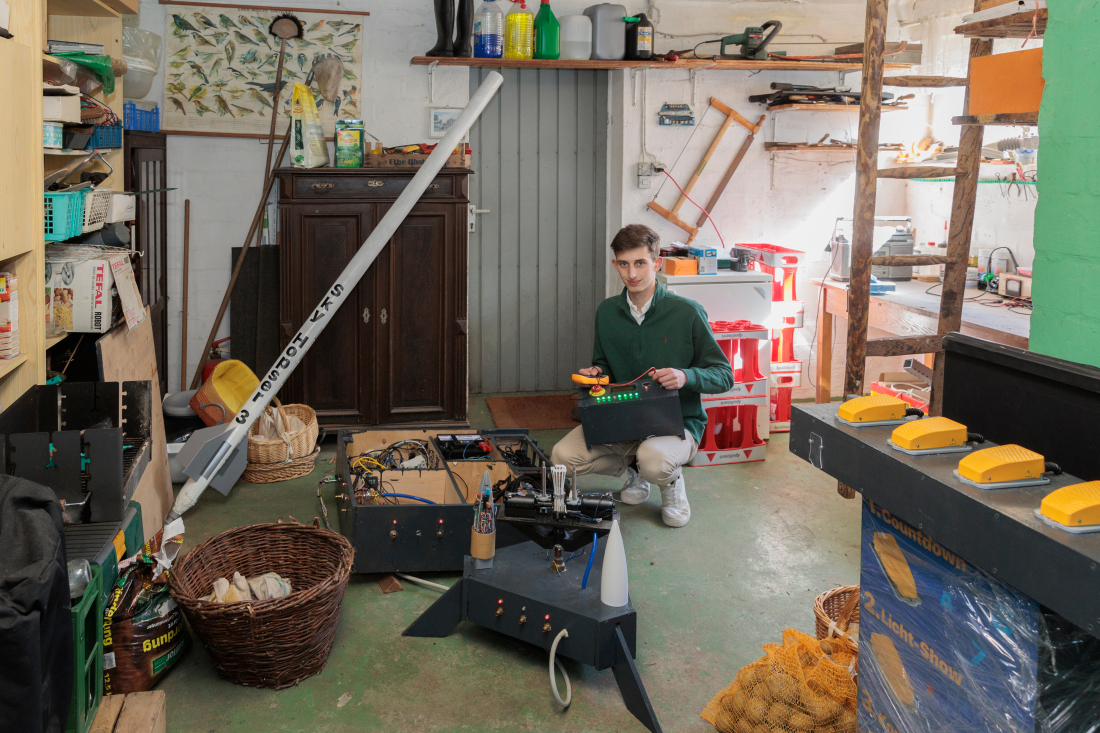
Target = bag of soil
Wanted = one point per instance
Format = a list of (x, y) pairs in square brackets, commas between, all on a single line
[(307, 140), (143, 630)]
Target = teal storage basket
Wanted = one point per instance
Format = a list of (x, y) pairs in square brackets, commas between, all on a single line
[(64, 215)]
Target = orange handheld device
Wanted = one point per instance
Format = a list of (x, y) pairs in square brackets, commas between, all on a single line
[(581, 379)]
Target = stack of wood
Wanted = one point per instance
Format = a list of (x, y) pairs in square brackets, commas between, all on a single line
[(138, 712)]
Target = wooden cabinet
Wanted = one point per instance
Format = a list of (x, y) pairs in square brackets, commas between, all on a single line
[(395, 352)]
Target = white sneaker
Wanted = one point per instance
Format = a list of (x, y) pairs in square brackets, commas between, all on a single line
[(636, 488), (674, 504)]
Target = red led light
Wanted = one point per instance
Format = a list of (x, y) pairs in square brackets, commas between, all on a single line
[(501, 601), (395, 521), (441, 521), (547, 617)]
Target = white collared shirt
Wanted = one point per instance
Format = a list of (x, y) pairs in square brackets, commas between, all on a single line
[(639, 313)]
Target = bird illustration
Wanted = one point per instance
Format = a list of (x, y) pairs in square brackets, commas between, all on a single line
[(202, 40), (347, 113), (201, 108), (336, 24), (204, 56), (302, 62), (183, 52), (236, 73), (220, 36), (235, 93), (349, 75), (291, 73), (303, 43), (175, 76), (348, 46), (243, 111), (261, 37), (177, 87), (253, 74), (204, 20), (353, 29), (214, 69), (319, 101), (323, 39), (223, 106), (269, 60), (176, 64), (349, 94), (179, 105), (335, 105), (249, 57), (219, 85), (269, 87), (198, 71), (230, 49), (197, 92), (315, 26), (244, 39), (255, 94), (178, 33), (180, 22), (245, 21), (226, 21)]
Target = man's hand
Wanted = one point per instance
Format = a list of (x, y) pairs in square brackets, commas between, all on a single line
[(670, 378), (594, 371)]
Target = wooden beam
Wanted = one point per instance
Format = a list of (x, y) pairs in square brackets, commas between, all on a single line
[(1007, 118), (824, 387), (662, 211), (907, 260), (726, 178), (905, 345), (924, 81), (921, 171), (1019, 25), (730, 112)]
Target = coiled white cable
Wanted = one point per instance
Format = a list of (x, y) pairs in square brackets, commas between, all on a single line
[(564, 633)]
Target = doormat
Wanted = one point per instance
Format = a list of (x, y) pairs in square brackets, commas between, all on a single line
[(535, 412)]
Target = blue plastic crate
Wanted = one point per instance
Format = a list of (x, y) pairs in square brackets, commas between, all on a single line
[(64, 215), (135, 118), (105, 136)]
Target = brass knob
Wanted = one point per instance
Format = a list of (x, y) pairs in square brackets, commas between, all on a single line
[(341, 497), (500, 611), (393, 534), (522, 620), (546, 628), (439, 533)]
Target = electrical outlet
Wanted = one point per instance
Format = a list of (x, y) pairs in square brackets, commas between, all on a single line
[(646, 173)]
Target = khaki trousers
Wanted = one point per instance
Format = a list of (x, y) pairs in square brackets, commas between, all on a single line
[(659, 459)]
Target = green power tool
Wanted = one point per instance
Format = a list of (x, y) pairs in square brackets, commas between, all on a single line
[(753, 43)]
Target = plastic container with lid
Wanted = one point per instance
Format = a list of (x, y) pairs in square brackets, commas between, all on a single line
[(576, 37), (608, 31), (639, 38), (139, 78), (519, 29), (489, 31)]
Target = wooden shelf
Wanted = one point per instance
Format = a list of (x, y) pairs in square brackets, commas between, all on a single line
[(1011, 26), (55, 340), (7, 366), (827, 108), (80, 8), (809, 147), (1012, 118), (60, 151), (721, 64)]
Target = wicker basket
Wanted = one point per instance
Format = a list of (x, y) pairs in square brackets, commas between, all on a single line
[(268, 473), (268, 460), (275, 643), (834, 611)]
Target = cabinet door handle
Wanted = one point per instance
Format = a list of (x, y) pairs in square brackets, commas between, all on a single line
[(287, 325), (462, 325), (366, 315), (382, 316), (322, 187)]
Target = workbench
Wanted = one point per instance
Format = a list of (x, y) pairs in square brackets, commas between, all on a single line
[(909, 311)]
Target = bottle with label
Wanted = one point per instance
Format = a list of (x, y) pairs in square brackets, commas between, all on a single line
[(489, 31), (547, 33), (519, 27), (639, 38)]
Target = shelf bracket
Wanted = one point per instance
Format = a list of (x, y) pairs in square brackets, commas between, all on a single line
[(431, 82), (634, 78), (694, 76)]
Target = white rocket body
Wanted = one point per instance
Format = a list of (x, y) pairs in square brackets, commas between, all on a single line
[(614, 586)]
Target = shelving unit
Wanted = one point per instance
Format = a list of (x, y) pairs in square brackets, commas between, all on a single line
[(718, 65), (1020, 25), (776, 147)]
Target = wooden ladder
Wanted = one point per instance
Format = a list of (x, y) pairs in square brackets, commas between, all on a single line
[(867, 175)]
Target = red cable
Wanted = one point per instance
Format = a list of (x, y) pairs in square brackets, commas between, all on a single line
[(700, 209), (651, 370), (1034, 24)]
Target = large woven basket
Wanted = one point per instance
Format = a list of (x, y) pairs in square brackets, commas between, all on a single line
[(268, 460), (275, 643), (834, 611)]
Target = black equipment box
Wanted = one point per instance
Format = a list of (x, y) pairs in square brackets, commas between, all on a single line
[(412, 536), (635, 411)]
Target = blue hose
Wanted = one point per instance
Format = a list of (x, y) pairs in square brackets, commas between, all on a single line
[(591, 558), (409, 496)]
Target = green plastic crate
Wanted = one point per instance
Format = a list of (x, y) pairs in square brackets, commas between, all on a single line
[(87, 618)]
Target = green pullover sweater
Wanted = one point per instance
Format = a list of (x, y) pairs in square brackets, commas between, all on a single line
[(675, 333)]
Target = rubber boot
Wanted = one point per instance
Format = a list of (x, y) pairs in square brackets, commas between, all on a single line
[(464, 42), (444, 28)]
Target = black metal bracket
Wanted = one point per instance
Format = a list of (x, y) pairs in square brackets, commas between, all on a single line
[(631, 687), (442, 617)]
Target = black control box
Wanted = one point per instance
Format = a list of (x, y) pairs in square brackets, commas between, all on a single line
[(636, 411)]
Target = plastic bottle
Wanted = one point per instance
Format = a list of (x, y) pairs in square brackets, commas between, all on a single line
[(576, 37), (547, 33), (639, 38), (489, 31), (519, 27)]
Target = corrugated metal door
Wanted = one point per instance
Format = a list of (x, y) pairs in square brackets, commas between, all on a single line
[(537, 257)]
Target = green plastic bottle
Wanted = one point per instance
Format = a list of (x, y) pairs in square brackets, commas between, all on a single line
[(518, 27), (547, 33)]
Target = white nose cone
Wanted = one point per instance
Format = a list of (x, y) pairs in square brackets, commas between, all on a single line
[(614, 588)]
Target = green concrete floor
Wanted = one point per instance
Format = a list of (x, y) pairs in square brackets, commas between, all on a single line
[(764, 539)]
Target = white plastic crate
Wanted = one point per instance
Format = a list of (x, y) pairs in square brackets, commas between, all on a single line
[(123, 208), (96, 203)]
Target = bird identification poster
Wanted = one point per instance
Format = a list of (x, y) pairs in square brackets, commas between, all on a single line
[(221, 63)]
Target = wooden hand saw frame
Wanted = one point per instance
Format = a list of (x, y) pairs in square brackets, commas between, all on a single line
[(731, 117)]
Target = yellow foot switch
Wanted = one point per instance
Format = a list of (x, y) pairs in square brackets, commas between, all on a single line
[(875, 410), (1004, 467), (1074, 508), (931, 436)]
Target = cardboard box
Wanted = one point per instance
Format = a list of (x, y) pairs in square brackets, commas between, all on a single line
[(942, 645), (411, 160), (707, 257), (1006, 83), (79, 291), (60, 103), (680, 266)]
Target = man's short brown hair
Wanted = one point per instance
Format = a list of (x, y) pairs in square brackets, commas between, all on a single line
[(633, 236)]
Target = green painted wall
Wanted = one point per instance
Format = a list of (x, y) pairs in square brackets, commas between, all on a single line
[(1066, 289)]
